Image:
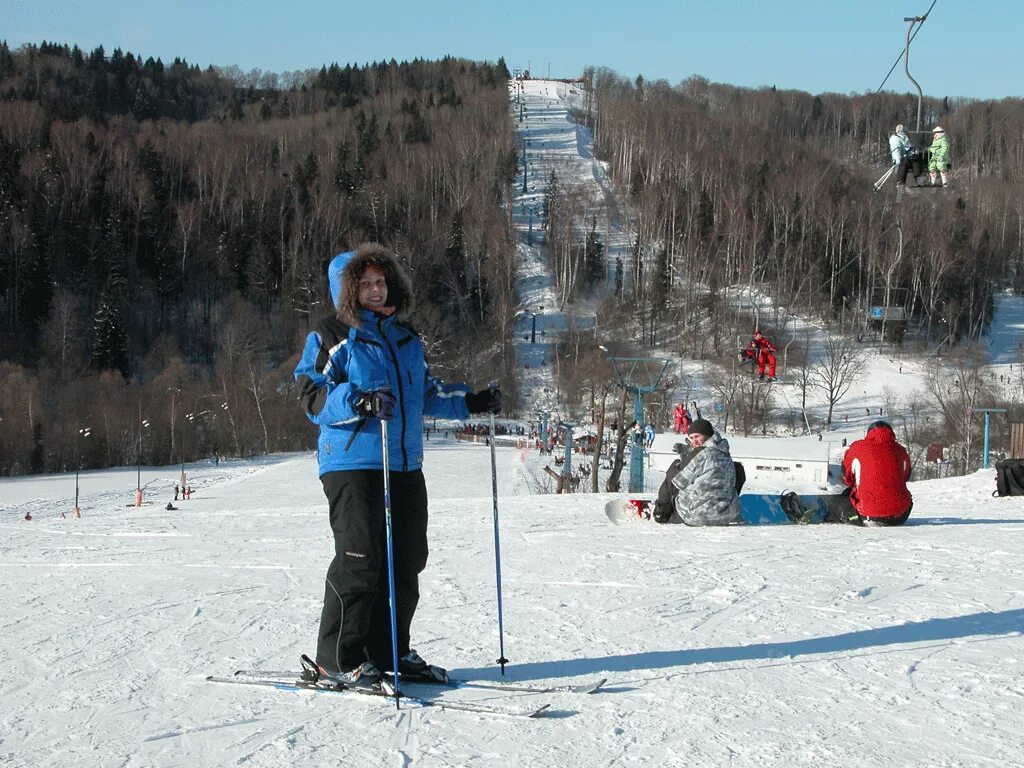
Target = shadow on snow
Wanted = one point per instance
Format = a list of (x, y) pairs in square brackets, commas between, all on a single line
[(952, 628)]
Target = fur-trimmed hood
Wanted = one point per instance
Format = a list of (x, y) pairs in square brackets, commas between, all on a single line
[(400, 295), (334, 270)]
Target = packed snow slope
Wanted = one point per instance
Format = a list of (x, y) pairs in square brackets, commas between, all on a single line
[(747, 646)]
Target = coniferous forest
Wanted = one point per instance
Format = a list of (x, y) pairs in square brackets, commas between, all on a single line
[(165, 228)]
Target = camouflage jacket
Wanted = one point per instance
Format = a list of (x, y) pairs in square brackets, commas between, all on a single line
[(707, 487)]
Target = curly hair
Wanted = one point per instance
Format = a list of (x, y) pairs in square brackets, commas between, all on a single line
[(400, 294)]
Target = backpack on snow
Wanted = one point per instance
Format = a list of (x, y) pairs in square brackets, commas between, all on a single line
[(741, 475), (1009, 477)]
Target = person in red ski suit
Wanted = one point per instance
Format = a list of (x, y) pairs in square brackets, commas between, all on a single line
[(876, 469), (765, 352), (681, 418)]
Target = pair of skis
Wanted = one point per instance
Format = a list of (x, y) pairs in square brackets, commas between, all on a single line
[(295, 681)]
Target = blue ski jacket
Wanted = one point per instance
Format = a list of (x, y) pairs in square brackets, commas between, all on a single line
[(340, 362)]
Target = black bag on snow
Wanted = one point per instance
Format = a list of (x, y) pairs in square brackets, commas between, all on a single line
[(1009, 477), (741, 475)]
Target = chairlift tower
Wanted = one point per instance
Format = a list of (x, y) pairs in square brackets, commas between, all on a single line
[(640, 375), (988, 421), (567, 456)]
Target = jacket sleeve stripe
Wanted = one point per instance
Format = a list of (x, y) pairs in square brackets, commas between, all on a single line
[(330, 356)]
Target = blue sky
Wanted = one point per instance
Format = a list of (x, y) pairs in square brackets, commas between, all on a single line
[(966, 48)]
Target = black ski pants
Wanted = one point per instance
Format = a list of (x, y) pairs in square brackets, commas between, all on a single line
[(841, 510), (355, 624), (913, 163)]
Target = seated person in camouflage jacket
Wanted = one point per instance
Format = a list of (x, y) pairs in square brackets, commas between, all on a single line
[(703, 481)]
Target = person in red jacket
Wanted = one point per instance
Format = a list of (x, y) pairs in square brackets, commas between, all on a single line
[(765, 355), (876, 469), (680, 418)]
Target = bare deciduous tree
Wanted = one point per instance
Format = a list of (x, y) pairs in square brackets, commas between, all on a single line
[(837, 370), (958, 387)]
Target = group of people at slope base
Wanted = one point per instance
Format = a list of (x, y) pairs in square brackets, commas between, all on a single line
[(908, 158), (364, 381), (761, 350), (700, 487)]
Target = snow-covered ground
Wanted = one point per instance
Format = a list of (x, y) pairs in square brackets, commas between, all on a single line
[(757, 646)]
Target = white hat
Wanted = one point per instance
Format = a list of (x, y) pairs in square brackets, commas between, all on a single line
[(937, 129), (899, 128)]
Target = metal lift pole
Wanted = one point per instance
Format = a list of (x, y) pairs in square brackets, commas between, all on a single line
[(906, 66)]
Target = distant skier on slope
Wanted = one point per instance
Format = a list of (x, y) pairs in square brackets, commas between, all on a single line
[(363, 365)]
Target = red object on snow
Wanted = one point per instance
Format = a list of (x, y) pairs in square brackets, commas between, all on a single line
[(639, 507)]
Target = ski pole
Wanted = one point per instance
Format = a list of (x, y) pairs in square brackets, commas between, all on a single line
[(885, 177), (391, 558), (497, 553)]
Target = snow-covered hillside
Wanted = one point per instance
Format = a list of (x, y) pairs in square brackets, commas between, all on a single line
[(782, 646)]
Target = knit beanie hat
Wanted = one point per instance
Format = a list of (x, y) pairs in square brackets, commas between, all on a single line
[(703, 426)]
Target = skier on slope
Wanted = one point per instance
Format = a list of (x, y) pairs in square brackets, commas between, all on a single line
[(362, 365), (875, 469), (704, 482)]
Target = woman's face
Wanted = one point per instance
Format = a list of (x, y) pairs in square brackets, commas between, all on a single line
[(373, 288)]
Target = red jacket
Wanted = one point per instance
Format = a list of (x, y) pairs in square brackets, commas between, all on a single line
[(877, 469)]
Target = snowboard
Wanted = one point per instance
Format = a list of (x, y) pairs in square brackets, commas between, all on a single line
[(774, 509), (626, 511), (757, 509)]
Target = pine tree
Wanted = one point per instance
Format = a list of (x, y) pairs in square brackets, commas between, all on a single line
[(550, 195), (416, 131), (593, 257), (37, 459), (109, 337)]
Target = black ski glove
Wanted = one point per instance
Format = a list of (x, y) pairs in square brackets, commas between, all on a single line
[(377, 402), (484, 401)]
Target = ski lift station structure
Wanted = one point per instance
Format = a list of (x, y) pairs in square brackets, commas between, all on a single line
[(802, 462)]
